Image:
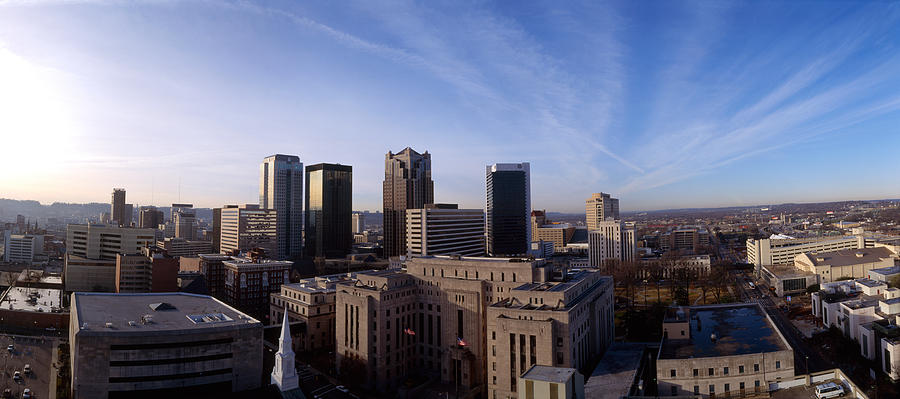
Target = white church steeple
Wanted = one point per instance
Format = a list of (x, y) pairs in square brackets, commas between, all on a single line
[(285, 372)]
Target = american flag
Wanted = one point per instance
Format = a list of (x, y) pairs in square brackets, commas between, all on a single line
[(409, 331), (460, 341)]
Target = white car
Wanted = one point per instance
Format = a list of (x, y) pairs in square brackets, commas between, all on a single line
[(829, 390), (342, 388), (10, 348), (27, 369), (26, 394)]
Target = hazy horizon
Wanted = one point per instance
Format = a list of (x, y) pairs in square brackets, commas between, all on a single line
[(664, 105)]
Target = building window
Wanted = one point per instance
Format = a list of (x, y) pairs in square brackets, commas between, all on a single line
[(493, 335), (727, 387), (756, 383), (712, 389), (740, 369), (756, 368), (742, 385), (777, 364), (696, 389), (712, 371), (559, 341), (696, 372), (674, 391), (559, 358), (725, 371), (672, 373)]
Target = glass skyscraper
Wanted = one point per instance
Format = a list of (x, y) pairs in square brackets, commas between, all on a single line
[(508, 208), (329, 209), (407, 185), (281, 189)]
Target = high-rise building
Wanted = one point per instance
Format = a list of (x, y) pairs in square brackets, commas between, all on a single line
[(359, 223), (117, 206), (91, 251), (128, 215), (185, 219), (246, 227), (329, 205), (407, 185), (508, 208), (217, 230), (281, 189), (600, 207), (150, 218), (612, 240), (444, 229)]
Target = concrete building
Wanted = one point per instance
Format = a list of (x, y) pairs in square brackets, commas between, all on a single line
[(721, 350), (82, 274), (212, 266), (613, 240), (248, 226), (329, 205), (884, 274), (359, 222), (187, 248), (788, 280), (20, 248), (98, 241), (312, 302), (443, 229), (508, 208), (853, 263), (154, 345), (696, 265), (281, 190), (455, 318), (551, 382), (407, 185), (217, 230), (249, 282), (684, 238), (33, 308), (150, 271), (781, 250), (600, 207), (117, 207)]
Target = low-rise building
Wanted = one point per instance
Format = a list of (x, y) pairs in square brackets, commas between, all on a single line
[(729, 349), (153, 345), (551, 382), (311, 301), (33, 308), (851, 263), (249, 282), (787, 279), (781, 250), (82, 274), (188, 248)]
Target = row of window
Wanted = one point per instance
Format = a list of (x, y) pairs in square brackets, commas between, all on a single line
[(725, 370), (712, 388)]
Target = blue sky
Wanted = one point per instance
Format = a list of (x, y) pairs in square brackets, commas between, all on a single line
[(662, 104)]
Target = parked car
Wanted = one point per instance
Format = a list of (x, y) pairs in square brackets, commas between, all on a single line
[(10, 348), (829, 390), (7, 393), (26, 394), (27, 369), (17, 375)]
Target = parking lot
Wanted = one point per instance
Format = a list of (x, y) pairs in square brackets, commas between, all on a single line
[(320, 388), (34, 351)]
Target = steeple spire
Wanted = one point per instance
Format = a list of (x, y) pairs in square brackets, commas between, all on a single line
[(284, 374)]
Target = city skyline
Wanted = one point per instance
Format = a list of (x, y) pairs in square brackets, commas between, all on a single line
[(802, 108)]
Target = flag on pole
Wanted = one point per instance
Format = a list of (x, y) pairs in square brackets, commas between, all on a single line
[(409, 331), (460, 341)]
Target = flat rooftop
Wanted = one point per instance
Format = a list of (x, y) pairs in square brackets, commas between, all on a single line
[(615, 373), (739, 329), (549, 373), (886, 271), (167, 311), (47, 300), (870, 283), (846, 257)]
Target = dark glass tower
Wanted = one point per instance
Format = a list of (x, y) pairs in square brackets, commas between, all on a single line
[(508, 209), (329, 208), (407, 185)]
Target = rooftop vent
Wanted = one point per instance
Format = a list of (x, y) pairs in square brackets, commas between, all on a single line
[(161, 306), (131, 323), (859, 254), (109, 325), (146, 319), (712, 337), (820, 259)]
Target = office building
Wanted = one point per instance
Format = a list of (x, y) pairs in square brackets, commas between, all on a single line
[(600, 207), (281, 190), (98, 241), (150, 218), (459, 319), (20, 248), (359, 223), (329, 206), (684, 238), (213, 268), (781, 250), (217, 230), (613, 240), (157, 345), (152, 270), (82, 274), (443, 229), (185, 219), (117, 207), (721, 350), (407, 185), (508, 187), (250, 281), (310, 301), (181, 247), (246, 227)]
